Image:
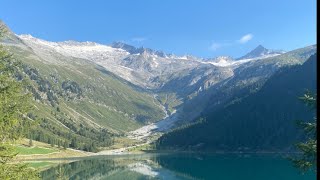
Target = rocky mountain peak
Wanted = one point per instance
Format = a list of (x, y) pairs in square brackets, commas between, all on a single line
[(260, 52), (141, 50)]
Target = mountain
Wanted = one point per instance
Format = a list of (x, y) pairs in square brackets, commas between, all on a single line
[(141, 50), (245, 78), (263, 121), (260, 52), (221, 61), (86, 91), (148, 69), (227, 61), (77, 100)]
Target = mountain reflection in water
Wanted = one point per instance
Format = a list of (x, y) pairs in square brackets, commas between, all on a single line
[(178, 166)]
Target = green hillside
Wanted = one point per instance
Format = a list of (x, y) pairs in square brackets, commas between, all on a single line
[(77, 102), (264, 121)]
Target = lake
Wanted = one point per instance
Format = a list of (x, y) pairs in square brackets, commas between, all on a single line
[(179, 167)]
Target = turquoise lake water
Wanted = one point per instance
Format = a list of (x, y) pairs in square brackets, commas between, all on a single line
[(179, 167)]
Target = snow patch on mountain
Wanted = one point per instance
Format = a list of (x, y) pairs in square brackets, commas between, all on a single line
[(144, 67), (226, 61), (85, 50), (261, 52)]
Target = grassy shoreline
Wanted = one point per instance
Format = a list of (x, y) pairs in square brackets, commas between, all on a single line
[(45, 152), (42, 150)]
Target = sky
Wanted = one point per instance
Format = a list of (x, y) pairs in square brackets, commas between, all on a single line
[(203, 28)]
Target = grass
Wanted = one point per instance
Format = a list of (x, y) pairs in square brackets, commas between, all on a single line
[(108, 101), (40, 164), (23, 150), (43, 150)]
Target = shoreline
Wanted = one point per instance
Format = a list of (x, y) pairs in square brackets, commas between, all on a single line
[(96, 155), (221, 152), (68, 153)]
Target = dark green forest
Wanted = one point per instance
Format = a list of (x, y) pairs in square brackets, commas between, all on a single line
[(264, 121)]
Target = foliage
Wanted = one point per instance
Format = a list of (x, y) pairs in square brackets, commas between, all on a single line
[(308, 159), (13, 118), (262, 121), (43, 91), (170, 137), (77, 104)]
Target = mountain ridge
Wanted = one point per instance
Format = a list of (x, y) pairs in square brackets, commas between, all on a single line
[(256, 53), (268, 116), (261, 52), (98, 86)]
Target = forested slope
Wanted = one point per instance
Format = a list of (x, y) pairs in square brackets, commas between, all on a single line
[(264, 121)]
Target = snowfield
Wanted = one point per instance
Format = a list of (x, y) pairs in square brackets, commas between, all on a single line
[(140, 66)]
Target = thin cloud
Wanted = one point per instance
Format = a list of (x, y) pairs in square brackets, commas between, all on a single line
[(138, 39), (215, 46), (218, 45), (245, 38)]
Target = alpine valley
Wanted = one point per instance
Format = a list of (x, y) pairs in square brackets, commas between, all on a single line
[(96, 97)]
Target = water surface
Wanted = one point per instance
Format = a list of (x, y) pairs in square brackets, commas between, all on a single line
[(179, 167)]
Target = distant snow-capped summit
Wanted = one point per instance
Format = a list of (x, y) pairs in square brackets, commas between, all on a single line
[(70, 43), (261, 52), (140, 50), (220, 61)]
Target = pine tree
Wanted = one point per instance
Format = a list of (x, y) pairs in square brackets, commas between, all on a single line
[(14, 123), (308, 159)]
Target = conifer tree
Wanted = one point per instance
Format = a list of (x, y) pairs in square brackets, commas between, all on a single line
[(14, 122), (308, 159)]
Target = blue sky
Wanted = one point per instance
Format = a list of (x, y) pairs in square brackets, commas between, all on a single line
[(204, 28)]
